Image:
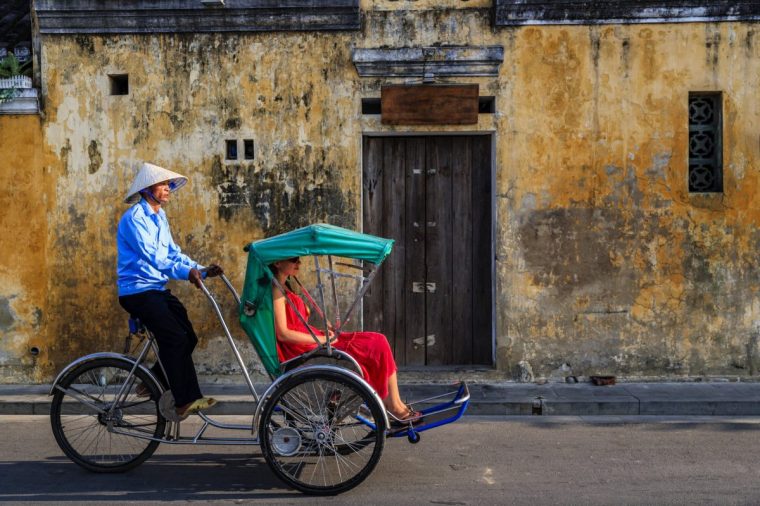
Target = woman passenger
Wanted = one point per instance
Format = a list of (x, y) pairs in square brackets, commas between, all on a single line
[(370, 349)]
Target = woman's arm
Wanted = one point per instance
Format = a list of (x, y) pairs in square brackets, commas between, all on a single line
[(281, 322)]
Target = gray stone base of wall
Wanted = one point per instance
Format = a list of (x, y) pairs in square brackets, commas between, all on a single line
[(25, 103), (720, 398)]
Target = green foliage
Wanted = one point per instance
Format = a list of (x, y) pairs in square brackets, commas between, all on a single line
[(7, 94), (10, 66)]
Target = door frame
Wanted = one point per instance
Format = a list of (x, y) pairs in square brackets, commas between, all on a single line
[(459, 133)]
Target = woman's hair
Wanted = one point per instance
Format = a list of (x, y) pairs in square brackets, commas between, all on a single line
[(275, 271)]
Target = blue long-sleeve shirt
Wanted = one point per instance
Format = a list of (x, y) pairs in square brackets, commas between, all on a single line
[(147, 255)]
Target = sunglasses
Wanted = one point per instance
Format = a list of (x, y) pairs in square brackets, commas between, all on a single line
[(294, 260)]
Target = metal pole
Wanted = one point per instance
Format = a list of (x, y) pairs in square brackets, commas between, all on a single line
[(231, 341), (308, 297), (295, 310), (127, 385), (361, 293), (322, 303), (335, 293), (231, 288)]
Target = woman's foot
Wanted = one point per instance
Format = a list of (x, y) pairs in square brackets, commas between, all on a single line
[(406, 415), (195, 406)]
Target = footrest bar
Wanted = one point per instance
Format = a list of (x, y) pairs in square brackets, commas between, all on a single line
[(440, 414)]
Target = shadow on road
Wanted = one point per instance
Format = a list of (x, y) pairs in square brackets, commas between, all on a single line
[(203, 476), (653, 424)]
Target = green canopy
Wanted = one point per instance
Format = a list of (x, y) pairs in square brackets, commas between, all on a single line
[(322, 239), (256, 315)]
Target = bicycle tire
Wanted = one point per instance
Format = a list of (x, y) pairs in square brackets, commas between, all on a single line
[(83, 433), (335, 451)]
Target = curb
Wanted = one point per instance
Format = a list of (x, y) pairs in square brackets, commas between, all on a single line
[(499, 399)]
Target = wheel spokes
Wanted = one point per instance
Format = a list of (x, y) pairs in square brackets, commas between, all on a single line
[(335, 447), (89, 433)]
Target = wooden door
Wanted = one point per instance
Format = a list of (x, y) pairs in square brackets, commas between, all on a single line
[(432, 298)]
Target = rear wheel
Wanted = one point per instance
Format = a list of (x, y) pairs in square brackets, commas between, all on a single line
[(322, 432), (87, 432)]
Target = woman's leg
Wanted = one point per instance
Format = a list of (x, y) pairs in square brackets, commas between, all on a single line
[(374, 354), (393, 402)]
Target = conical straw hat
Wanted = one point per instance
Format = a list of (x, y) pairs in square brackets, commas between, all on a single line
[(148, 176)]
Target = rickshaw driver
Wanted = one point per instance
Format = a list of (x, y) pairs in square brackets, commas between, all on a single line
[(147, 259)]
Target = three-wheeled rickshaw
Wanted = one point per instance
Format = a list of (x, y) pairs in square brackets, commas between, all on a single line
[(320, 425)]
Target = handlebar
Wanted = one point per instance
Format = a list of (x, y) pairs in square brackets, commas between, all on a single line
[(226, 281)]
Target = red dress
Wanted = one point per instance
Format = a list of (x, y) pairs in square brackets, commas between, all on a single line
[(370, 349)]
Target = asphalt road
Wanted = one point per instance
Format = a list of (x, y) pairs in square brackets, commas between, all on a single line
[(521, 460)]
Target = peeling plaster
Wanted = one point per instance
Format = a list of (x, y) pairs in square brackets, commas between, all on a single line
[(7, 318), (604, 260)]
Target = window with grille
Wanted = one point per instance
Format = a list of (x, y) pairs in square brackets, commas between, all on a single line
[(705, 142)]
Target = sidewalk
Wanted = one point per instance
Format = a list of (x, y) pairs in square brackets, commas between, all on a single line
[(500, 398)]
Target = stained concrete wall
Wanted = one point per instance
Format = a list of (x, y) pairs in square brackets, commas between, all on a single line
[(26, 197), (610, 264), (604, 261)]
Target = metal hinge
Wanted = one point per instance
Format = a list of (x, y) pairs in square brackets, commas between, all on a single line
[(420, 287), (427, 341)]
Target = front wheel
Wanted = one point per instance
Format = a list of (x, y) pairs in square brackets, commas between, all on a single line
[(322, 432), (92, 434)]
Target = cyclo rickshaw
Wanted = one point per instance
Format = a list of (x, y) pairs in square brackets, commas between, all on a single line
[(320, 425)]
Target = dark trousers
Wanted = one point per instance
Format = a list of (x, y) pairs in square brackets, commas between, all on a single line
[(165, 316)]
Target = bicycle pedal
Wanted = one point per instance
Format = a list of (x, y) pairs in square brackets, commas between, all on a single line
[(168, 409)]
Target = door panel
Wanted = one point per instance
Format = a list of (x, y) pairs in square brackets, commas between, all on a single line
[(461, 247), (432, 298), (438, 254), (394, 166), (372, 203), (414, 265), (482, 256)]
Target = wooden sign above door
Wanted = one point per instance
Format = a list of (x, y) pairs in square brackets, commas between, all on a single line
[(455, 104)]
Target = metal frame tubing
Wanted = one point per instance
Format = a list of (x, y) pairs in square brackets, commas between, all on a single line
[(295, 309), (239, 358), (362, 291), (322, 301)]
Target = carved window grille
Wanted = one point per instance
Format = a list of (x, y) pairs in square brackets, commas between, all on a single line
[(705, 143)]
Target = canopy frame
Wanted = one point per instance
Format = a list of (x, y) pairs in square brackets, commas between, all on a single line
[(319, 240), (335, 326)]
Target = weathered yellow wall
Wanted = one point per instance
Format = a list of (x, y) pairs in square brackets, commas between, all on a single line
[(604, 260), (25, 199), (610, 264)]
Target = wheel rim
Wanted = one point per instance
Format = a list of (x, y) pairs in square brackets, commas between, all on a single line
[(87, 427), (337, 444)]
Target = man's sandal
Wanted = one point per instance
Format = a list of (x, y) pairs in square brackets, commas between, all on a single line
[(195, 406)]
